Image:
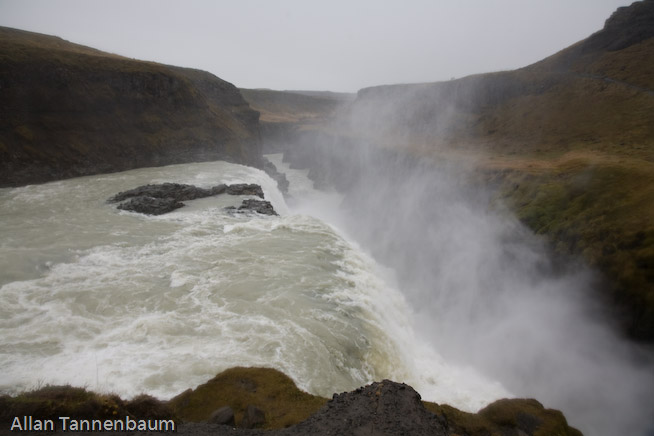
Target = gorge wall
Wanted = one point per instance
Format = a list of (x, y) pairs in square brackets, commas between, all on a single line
[(67, 110)]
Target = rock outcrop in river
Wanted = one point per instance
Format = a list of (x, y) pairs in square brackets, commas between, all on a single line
[(166, 197)]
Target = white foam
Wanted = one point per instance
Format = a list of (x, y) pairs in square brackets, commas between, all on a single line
[(373, 292), (162, 304)]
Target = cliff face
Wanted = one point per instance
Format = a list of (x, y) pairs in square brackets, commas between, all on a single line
[(68, 110)]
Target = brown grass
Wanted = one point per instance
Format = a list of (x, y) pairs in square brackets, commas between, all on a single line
[(51, 402)]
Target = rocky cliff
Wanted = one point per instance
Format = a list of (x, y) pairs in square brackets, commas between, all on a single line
[(67, 110)]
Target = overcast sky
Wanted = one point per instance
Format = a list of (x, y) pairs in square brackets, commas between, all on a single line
[(320, 45)]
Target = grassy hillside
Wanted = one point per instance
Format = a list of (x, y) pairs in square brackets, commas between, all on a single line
[(582, 171), (68, 110)]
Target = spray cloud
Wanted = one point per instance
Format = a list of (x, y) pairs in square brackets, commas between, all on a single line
[(485, 291)]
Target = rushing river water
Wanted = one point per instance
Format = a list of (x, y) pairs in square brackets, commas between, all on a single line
[(127, 303)]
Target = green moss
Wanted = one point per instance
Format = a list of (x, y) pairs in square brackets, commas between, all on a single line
[(525, 415), (461, 423), (529, 416), (267, 389)]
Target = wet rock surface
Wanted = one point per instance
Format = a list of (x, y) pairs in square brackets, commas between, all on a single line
[(162, 198), (259, 206), (245, 189), (280, 178), (176, 191), (150, 205)]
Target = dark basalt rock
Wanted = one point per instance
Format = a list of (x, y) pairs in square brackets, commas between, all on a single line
[(386, 408), (280, 178), (245, 189), (379, 409), (627, 26), (176, 191), (166, 197), (254, 417), (222, 416), (150, 205), (258, 206)]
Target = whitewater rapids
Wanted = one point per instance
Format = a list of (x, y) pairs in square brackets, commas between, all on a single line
[(126, 303)]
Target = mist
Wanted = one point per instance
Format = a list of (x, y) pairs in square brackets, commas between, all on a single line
[(485, 291)]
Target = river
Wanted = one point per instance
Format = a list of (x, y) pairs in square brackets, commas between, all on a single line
[(127, 303)]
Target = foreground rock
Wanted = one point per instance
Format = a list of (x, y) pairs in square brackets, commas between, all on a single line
[(379, 409), (239, 398), (166, 197), (254, 417), (223, 416), (385, 408)]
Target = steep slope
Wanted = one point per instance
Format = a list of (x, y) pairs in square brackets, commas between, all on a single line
[(568, 144), (68, 110), (594, 193)]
